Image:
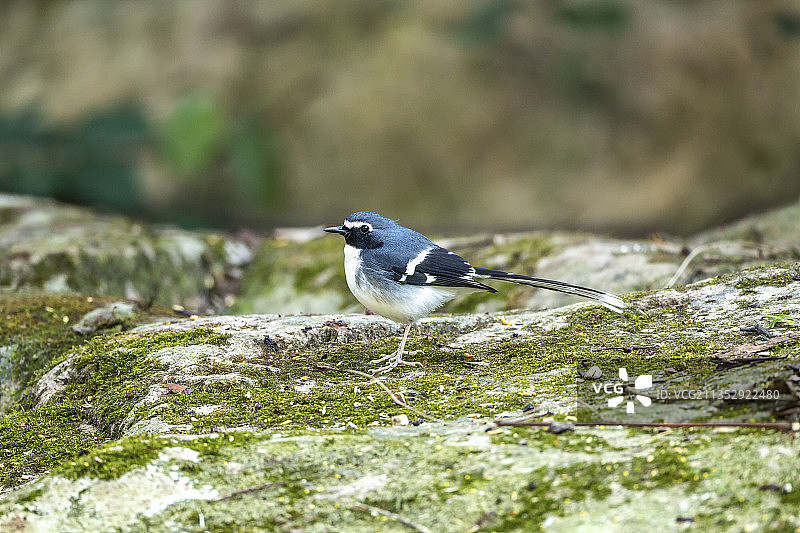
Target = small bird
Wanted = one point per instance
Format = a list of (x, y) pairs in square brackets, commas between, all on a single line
[(402, 275)]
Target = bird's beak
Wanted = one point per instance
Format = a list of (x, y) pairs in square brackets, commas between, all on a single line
[(341, 230)]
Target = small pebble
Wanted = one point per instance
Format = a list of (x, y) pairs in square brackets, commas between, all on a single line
[(400, 420), (560, 427), (271, 344), (593, 373)]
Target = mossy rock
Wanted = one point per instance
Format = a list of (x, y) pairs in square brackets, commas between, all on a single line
[(264, 423), (46, 246)]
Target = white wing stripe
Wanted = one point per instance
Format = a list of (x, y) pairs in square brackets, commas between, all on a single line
[(412, 265)]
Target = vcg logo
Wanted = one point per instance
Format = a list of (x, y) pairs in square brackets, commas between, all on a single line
[(645, 381)]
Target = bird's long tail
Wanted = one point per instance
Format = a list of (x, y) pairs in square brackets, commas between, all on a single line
[(607, 300)]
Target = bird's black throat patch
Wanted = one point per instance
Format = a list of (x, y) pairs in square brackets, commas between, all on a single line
[(362, 241)]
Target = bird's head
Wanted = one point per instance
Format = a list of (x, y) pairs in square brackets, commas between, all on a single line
[(364, 229)]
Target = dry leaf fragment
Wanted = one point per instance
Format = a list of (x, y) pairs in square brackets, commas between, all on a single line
[(754, 348), (175, 388)]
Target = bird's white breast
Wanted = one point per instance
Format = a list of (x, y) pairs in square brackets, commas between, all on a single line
[(351, 267), (395, 301)]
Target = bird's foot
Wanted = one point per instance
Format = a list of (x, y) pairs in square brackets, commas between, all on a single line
[(394, 359), (386, 357)]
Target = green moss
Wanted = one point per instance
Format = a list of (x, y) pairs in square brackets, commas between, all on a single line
[(34, 441), (539, 439), (282, 272), (317, 479), (451, 386), (111, 375), (553, 491), (508, 376), (334, 405), (30, 496), (114, 373), (778, 280), (38, 329), (114, 459), (690, 358), (338, 398), (588, 340)]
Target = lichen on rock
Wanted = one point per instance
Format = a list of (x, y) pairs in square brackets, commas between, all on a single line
[(269, 422)]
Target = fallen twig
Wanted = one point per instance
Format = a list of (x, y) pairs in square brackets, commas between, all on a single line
[(373, 379), (753, 348), (625, 349), (247, 491), (703, 248), (524, 418), (758, 328), (783, 426), (685, 263), (383, 512), (794, 389), (740, 361)]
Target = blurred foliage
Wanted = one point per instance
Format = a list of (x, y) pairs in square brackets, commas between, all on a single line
[(193, 134), (608, 15), (788, 24), (256, 162), (96, 161), (91, 162), (616, 115), (224, 160), (487, 22)]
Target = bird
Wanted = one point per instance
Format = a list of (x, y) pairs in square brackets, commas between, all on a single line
[(402, 275)]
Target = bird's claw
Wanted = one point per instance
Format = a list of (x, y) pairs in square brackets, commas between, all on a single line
[(386, 357), (398, 360)]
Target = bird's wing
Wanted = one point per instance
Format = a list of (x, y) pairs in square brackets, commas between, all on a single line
[(438, 267)]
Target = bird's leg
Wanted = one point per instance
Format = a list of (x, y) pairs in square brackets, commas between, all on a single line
[(386, 357), (395, 358)]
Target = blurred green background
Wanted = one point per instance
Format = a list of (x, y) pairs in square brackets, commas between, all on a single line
[(625, 116)]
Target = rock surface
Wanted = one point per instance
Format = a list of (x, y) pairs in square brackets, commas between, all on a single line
[(266, 422), (274, 423), (64, 249), (295, 273)]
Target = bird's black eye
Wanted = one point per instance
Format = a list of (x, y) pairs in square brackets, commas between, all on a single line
[(364, 229)]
